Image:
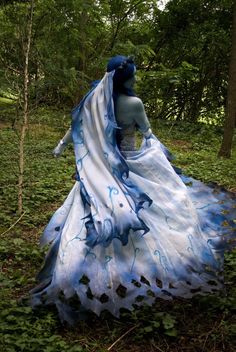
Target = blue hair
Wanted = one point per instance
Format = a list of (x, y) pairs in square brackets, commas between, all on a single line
[(124, 69)]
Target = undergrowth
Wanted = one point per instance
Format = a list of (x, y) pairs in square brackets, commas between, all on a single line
[(201, 324)]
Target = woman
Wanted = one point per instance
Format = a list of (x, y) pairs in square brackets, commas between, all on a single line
[(130, 230)]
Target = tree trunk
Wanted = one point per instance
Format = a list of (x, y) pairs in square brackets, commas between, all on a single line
[(26, 52), (230, 118)]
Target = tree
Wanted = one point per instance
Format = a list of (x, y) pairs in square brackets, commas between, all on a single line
[(182, 51), (189, 71), (230, 118), (26, 52)]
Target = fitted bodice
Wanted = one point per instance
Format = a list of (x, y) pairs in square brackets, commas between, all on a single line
[(126, 137)]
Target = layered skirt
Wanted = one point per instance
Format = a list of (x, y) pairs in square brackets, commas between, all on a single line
[(177, 251)]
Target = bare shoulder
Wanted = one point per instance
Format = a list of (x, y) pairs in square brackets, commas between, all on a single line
[(137, 104), (135, 101), (132, 102)]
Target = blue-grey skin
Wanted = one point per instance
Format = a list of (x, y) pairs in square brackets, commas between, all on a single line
[(130, 110)]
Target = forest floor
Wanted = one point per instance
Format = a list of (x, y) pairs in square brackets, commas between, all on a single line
[(201, 324)]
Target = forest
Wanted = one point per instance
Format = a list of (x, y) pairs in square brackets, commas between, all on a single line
[(51, 52)]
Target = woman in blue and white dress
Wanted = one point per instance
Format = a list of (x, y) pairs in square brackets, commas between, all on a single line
[(130, 227)]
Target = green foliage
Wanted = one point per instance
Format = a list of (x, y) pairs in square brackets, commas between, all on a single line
[(196, 32), (71, 43), (182, 52), (22, 330), (158, 322), (196, 147), (164, 90)]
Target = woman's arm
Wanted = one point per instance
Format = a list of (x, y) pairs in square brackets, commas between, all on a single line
[(141, 119), (63, 143)]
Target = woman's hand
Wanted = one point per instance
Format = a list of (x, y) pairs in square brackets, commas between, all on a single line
[(59, 149), (62, 144), (148, 133)]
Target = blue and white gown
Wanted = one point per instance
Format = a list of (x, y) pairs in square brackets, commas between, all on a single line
[(130, 230)]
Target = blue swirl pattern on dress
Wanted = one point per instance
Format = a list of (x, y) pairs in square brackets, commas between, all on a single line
[(130, 223)]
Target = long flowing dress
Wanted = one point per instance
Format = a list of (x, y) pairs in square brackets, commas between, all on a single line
[(131, 229)]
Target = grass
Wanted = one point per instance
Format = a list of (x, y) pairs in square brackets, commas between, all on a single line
[(201, 324)]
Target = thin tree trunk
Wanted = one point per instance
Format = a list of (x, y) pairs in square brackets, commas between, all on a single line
[(26, 50), (230, 118), (197, 101)]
